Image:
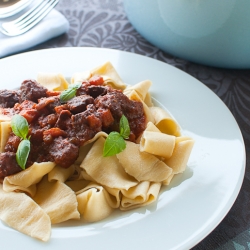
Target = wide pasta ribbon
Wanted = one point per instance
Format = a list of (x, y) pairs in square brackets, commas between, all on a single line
[(5, 131), (106, 71), (165, 122), (142, 90), (52, 81), (157, 143), (57, 200), (61, 174), (94, 202), (54, 197), (106, 170), (143, 194), (110, 75), (20, 212), (182, 150), (142, 165), (27, 178)]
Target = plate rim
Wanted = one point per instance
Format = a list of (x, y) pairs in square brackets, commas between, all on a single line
[(241, 177)]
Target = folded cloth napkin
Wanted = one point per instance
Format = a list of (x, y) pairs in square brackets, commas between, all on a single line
[(54, 24)]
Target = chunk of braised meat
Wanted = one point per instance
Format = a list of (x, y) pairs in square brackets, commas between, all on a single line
[(94, 123), (50, 134), (27, 110), (30, 114), (64, 120), (60, 108), (39, 152), (79, 103), (7, 111), (50, 103), (27, 104), (119, 105), (86, 124), (48, 120), (65, 123), (136, 127), (111, 101), (8, 98), (32, 90), (91, 109), (36, 134), (96, 91), (12, 143), (106, 117), (8, 164), (83, 90), (63, 152)]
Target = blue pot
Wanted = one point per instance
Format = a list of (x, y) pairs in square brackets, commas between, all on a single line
[(210, 32)]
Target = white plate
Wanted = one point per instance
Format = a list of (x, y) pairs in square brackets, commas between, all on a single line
[(195, 202)]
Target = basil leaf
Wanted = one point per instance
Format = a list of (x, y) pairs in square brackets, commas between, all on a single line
[(114, 144), (76, 85), (124, 127), (19, 126), (69, 93), (23, 153)]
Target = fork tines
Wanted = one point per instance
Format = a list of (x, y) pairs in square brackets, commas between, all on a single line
[(29, 19)]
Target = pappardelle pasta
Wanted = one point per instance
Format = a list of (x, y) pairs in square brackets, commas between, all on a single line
[(66, 175)]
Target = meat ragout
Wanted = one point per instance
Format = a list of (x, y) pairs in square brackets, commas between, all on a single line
[(57, 130)]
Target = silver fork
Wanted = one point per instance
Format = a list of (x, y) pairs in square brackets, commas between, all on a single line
[(13, 8), (29, 19)]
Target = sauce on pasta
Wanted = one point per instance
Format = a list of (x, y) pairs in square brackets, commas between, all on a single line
[(57, 129)]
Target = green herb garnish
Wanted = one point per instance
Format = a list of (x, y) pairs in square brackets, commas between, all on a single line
[(20, 128), (124, 127), (70, 92), (115, 142), (23, 153)]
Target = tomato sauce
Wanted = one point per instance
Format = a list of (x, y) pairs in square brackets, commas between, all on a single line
[(57, 130)]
